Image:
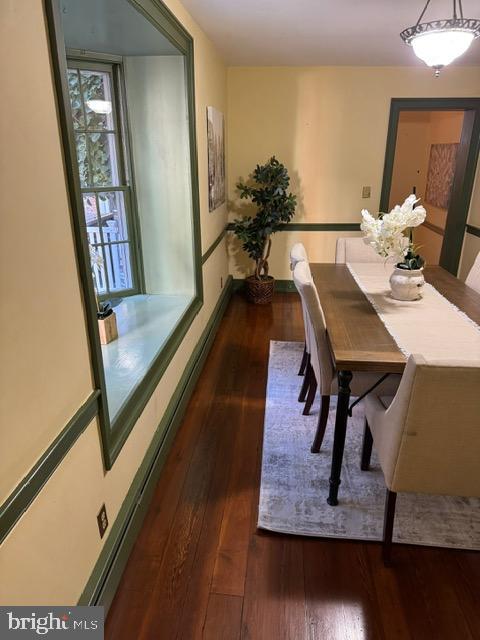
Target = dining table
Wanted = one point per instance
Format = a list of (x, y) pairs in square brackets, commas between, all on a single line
[(359, 340)]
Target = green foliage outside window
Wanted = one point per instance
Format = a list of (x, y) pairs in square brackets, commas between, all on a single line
[(92, 143)]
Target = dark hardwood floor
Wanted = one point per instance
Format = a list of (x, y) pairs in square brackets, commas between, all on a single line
[(200, 569)]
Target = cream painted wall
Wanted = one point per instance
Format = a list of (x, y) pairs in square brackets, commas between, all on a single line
[(42, 324), (320, 247), (329, 126), (471, 249), (40, 561), (158, 115), (412, 151), (210, 91), (471, 243)]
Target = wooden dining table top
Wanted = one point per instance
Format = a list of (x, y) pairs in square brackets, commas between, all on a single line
[(358, 339)]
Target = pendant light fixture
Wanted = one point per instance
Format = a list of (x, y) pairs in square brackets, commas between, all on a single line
[(439, 42)]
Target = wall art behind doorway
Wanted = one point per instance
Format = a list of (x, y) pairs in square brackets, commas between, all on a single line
[(441, 171)]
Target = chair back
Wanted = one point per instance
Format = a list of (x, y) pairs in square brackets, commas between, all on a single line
[(317, 330), (355, 250), (473, 278), (431, 433), (297, 254)]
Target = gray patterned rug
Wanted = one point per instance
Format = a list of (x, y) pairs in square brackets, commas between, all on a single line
[(294, 482)]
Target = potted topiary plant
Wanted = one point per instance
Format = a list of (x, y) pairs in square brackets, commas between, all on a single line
[(276, 206)]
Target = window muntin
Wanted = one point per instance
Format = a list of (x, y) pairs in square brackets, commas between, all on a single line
[(106, 195)]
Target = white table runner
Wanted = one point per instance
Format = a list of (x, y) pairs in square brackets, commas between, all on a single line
[(432, 326)]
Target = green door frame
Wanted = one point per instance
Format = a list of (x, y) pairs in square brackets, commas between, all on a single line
[(469, 148), (115, 435)]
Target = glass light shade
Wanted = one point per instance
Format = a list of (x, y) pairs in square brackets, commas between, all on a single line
[(439, 48), (100, 106)]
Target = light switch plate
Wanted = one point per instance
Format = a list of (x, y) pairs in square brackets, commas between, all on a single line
[(366, 192)]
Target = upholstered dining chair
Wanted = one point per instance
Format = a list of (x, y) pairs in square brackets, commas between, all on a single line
[(321, 372), (427, 435), (299, 254), (473, 278), (355, 250)]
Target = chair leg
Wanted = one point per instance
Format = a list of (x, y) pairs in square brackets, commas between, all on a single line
[(306, 381), (312, 390), (322, 425), (303, 364), (389, 516), (366, 448)]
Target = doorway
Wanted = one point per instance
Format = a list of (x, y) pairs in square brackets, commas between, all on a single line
[(432, 150)]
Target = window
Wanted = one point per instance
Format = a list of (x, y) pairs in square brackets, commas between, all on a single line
[(104, 175), (126, 101)]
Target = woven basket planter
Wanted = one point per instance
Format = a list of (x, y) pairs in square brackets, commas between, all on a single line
[(260, 291)]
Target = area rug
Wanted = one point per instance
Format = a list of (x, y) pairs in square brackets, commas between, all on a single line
[(294, 482)]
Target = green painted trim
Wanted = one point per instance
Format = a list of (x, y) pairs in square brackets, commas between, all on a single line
[(59, 63), (213, 246), (114, 435), (158, 14), (474, 231), (467, 159), (314, 226), (103, 582), (25, 493), (281, 286)]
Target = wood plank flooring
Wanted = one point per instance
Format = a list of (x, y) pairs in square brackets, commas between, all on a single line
[(201, 570)]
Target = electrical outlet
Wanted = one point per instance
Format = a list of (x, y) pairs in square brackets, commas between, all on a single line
[(366, 192), (102, 521)]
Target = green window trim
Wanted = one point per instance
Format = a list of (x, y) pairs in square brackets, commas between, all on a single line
[(114, 435)]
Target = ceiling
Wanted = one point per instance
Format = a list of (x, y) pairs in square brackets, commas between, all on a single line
[(111, 26), (320, 32)]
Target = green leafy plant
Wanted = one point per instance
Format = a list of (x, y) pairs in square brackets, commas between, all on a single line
[(276, 206), (412, 259), (93, 150)]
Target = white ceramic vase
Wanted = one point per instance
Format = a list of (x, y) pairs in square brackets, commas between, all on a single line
[(407, 284)]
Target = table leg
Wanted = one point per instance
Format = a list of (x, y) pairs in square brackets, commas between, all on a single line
[(344, 379)]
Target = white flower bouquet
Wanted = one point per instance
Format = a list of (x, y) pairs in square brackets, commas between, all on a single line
[(386, 234)]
